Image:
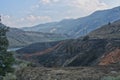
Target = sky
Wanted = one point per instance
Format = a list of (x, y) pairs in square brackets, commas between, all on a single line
[(26, 13)]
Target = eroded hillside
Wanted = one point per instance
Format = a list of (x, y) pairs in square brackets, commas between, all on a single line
[(73, 53)]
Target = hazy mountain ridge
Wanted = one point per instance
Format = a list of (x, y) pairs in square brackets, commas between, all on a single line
[(78, 52), (20, 38), (99, 49), (80, 26)]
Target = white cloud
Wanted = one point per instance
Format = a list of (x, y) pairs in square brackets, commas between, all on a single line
[(46, 1), (29, 20), (33, 18), (80, 7), (38, 5), (49, 1), (89, 5), (57, 9)]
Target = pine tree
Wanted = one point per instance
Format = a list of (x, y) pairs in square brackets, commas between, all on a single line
[(6, 58)]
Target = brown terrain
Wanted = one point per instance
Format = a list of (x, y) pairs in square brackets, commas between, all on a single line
[(77, 53), (110, 58), (102, 48), (73, 73), (91, 58)]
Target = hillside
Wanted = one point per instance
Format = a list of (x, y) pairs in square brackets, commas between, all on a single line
[(73, 53), (111, 30), (79, 52), (36, 47), (20, 38), (80, 26), (71, 73)]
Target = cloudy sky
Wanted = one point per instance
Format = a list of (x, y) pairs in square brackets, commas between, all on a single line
[(25, 13)]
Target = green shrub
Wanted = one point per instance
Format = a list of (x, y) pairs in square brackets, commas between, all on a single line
[(6, 58), (9, 76), (111, 78)]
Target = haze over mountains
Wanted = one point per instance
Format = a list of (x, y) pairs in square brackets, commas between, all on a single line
[(68, 50), (65, 29), (78, 52), (80, 26), (47, 50), (20, 38)]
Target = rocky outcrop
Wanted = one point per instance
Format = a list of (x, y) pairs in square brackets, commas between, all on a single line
[(111, 58)]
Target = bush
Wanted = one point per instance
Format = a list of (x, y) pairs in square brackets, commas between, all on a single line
[(85, 38), (10, 76), (111, 78)]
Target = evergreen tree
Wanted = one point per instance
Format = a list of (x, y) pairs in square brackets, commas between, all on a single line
[(6, 58)]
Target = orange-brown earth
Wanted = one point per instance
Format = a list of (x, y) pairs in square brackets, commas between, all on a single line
[(111, 58)]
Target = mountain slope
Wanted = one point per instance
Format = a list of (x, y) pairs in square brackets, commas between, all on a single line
[(111, 30), (19, 38), (79, 52), (80, 26), (72, 53)]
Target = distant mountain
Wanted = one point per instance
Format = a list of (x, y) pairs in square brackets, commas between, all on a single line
[(20, 38), (80, 26), (111, 30), (79, 52)]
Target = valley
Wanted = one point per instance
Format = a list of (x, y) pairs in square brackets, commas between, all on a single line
[(95, 56), (19, 38), (85, 48), (74, 52)]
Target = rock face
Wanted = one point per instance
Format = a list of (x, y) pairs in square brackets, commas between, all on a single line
[(112, 57)]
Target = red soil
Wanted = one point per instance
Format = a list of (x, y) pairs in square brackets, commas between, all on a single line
[(111, 58)]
